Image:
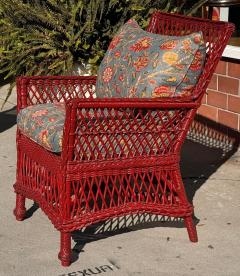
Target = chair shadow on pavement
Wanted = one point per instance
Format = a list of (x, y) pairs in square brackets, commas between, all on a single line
[(7, 119), (31, 210), (209, 145)]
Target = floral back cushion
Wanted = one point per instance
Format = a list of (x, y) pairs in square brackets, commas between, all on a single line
[(146, 65)]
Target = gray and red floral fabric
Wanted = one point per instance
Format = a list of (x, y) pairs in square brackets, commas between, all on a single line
[(43, 123), (146, 65)]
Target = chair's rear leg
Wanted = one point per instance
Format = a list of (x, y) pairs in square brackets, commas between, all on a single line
[(20, 210), (65, 249), (191, 228)]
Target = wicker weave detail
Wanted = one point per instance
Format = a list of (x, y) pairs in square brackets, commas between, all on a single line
[(126, 133), (125, 158)]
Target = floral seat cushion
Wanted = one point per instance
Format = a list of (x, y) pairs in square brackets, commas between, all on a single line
[(143, 64), (43, 123)]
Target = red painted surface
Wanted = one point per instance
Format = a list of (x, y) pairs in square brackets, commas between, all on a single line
[(83, 185)]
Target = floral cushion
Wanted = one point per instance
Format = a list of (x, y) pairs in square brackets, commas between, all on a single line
[(43, 123), (143, 64)]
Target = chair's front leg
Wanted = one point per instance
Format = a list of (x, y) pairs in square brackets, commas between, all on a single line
[(20, 210), (65, 249)]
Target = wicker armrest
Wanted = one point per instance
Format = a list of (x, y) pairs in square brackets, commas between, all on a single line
[(45, 89), (110, 129)]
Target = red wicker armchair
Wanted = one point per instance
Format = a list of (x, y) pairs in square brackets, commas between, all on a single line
[(119, 156)]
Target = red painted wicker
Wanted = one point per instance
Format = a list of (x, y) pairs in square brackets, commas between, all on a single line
[(123, 160)]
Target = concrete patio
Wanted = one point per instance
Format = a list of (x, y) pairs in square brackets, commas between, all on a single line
[(137, 245)]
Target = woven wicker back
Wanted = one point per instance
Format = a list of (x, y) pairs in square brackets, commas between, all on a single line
[(216, 35)]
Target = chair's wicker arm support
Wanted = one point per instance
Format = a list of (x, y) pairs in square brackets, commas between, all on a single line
[(45, 89), (165, 103), (103, 129)]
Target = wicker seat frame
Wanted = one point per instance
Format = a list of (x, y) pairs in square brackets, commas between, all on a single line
[(124, 159)]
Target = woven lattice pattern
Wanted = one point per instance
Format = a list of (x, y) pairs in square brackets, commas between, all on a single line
[(106, 133), (97, 193), (39, 90), (119, 156), (40, 182)]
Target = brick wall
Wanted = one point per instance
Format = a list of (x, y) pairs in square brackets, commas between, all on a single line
[(222, 101)]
